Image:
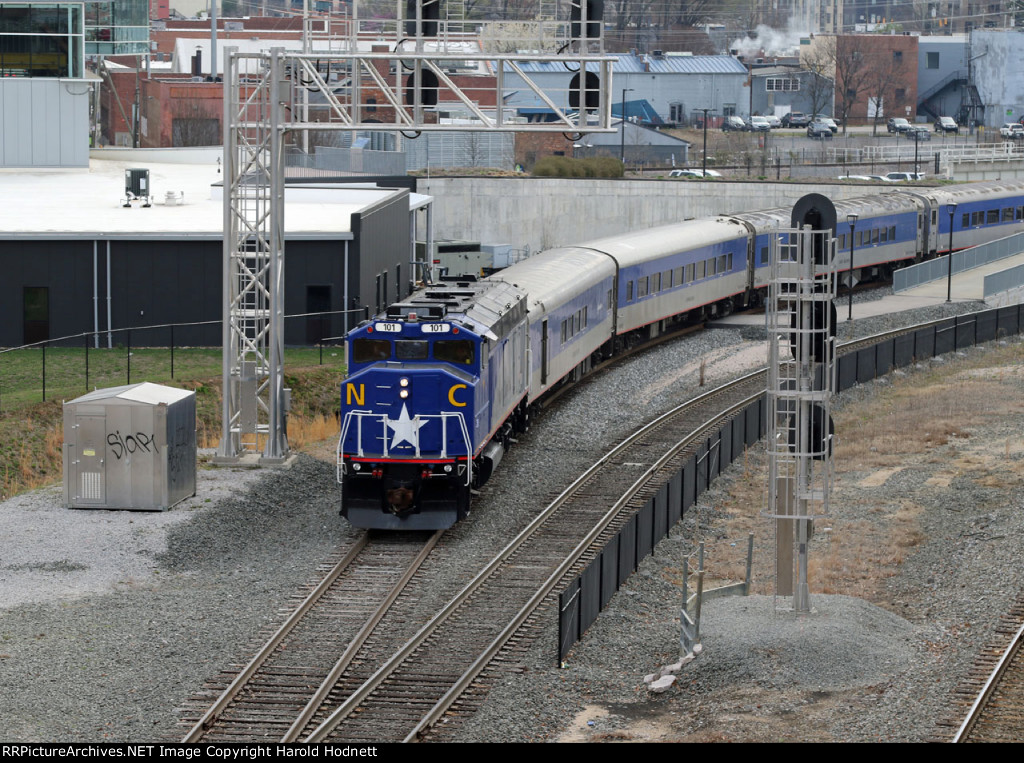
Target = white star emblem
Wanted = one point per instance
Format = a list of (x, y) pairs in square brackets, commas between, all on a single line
[(406, 429)]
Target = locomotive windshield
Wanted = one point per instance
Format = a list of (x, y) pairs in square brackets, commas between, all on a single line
[(411, 349), (459, 351), (369, 350)]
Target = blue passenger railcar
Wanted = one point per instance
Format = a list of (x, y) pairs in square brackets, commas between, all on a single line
[(435, 386), (984, 211)]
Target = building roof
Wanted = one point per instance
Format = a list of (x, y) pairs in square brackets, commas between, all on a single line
[(90, 204)]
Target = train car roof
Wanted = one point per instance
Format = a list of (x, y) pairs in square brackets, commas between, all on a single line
[(964, 193), (554, 276), (644, 245)]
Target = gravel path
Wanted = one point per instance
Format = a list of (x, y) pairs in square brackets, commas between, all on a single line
[(111, 620)]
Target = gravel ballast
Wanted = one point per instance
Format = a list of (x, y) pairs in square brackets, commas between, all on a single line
[(109, 621)]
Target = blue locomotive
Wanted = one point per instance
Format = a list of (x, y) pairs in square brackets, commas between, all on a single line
[(440, 383), (436, 387)]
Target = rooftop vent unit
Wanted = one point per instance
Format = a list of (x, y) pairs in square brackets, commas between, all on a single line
[(422, 311)]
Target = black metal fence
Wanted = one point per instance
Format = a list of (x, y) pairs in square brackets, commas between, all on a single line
[(582, 600), (105, 358)]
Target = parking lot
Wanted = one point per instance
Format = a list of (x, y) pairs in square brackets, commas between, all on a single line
[(859, 150)]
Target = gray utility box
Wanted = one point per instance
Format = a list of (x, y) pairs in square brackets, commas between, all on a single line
[(130, 447)]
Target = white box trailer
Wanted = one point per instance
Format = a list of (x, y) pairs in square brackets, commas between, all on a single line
[(131, 447)]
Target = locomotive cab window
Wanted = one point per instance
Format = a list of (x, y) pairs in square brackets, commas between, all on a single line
[(459, 351), (411, 349), (370, 350)]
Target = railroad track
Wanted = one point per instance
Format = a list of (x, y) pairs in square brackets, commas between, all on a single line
[(993, 693), (284, 683), (414, 688), (382, 690)]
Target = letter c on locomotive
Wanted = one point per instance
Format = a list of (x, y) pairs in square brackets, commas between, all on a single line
[(451, 396)]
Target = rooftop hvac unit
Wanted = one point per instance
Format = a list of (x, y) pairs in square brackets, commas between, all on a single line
[(136, 186)]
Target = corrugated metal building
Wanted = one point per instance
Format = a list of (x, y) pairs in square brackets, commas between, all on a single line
[(76, 260), (674, 85)]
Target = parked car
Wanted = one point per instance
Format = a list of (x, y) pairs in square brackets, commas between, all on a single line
[(733, 123), (694, 173), (918, 132), (827, 121), (819, 130), (904, 176), (1012, 131), (774, 121), (897, 125), (758, 124), (795, 119), (946, 124)]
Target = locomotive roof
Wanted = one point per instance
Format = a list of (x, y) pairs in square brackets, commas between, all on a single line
[(489, 306)]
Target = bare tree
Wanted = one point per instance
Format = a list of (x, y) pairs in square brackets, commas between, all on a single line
[(852, 71), (819, 64), (886, 72)]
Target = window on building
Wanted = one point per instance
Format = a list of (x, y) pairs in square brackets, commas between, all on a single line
[(781, 84), (932, 60), (41, 40)]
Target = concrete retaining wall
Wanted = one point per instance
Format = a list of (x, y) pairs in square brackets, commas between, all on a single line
[(545, 212)]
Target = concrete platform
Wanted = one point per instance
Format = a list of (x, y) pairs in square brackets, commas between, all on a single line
[(968, 286)]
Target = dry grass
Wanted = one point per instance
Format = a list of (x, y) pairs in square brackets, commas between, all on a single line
[(303, 432), (870, 532)]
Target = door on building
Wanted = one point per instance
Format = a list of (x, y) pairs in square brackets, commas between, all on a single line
[(36, 313), (318, 300)]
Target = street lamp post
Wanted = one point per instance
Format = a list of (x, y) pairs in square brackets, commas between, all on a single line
[(704, 157), (852, 220), (951, 208), (622, 145)]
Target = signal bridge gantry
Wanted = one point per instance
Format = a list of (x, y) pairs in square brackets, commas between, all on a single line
[(411, 64)]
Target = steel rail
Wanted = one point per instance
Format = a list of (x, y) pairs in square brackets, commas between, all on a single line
[(211, 715), (474, 670), (389, 667), (357, 642), (974, 713)]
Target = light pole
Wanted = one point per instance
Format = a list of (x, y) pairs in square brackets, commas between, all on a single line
[(704, 157), (622, 145), (917, 142), (951, 208), (852, 220)]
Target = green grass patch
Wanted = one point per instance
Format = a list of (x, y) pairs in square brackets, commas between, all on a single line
[(31, 430), (30, 376)]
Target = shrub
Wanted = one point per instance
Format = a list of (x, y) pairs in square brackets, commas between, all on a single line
[(566, 167)]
